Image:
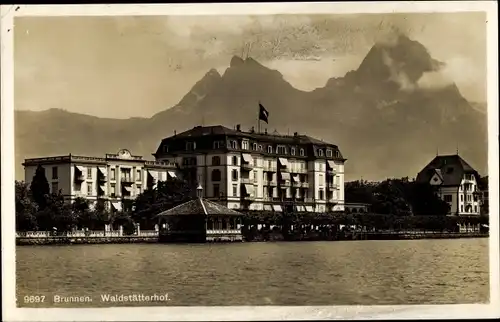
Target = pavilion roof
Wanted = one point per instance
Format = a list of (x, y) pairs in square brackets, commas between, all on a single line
[(199, 206)]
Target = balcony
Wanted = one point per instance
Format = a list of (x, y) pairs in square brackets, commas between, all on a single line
[(305, 184), (246, 166), (299, 170), (270, 169), (246, 180), (270, 183), (297, 184), (126, 180), (332, 185), (285, 183), (79, 177), (331, 172)]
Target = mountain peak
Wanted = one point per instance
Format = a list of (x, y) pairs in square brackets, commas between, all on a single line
[(235, 61)]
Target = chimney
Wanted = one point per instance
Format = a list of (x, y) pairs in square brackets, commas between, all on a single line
[(238, 127), (252, 130), (175, 132)]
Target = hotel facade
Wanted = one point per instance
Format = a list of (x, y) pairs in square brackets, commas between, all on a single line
[(111, 179), (258, 171), (457, 183)]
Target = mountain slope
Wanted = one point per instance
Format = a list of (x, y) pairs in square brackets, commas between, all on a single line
[(385, 123)]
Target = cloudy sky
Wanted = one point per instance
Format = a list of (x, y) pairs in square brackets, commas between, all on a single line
[(130, 66)]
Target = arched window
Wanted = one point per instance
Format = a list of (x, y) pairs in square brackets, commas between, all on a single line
[(292, 151), (216, 175), (269, 149), (235, 145), (301, 152), (235, 160), (320, 152), (255, 146), (216, 160)]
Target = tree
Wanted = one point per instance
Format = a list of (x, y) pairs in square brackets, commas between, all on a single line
[(166, 195), (425, 200), (39, 187), (26, 208), (57, 213)]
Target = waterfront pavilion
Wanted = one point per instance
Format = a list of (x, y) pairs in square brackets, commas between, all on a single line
[(200, 220)]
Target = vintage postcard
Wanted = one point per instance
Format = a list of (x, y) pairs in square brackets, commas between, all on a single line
[(255, 161)]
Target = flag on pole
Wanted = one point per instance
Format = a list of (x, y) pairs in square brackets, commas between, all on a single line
[(263, 113)]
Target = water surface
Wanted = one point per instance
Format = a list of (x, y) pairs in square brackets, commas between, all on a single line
[(282, 273)]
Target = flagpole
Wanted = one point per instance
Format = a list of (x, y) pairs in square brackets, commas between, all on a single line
[(258, 120)]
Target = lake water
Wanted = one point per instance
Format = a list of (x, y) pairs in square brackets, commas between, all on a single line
[(284, 273)]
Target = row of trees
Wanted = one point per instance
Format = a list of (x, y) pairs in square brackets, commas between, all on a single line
[(39, 209), (394, 203)]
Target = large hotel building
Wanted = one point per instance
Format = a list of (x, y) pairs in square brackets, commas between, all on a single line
[(241, 170), (259, 171)]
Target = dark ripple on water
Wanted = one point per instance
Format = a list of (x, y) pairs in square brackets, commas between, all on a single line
[(313, 273)]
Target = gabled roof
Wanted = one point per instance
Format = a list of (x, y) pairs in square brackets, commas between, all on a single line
[(199, 206), (451, 168)]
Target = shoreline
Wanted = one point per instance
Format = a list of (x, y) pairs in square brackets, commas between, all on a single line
[(64, 240)]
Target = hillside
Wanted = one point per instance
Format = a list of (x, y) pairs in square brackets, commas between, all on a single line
[(385, 123)]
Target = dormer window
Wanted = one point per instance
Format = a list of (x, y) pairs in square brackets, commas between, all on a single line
[(337, 154), (292, 151), (216, 144), (320, 152), (280, 149), (190, 146), (302, 152), (255, 146), (244, 145), (269, 149), (234, 145), (260, 148), (329, 153)]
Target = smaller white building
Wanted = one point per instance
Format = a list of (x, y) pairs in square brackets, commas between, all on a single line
[(112, 179), (457, 182)]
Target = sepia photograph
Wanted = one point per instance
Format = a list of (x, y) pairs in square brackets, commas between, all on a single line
[(249, 155)]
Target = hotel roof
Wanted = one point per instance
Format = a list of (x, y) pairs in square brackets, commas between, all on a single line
[(199, 206), (450, 168)]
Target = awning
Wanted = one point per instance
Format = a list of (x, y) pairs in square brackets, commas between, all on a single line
[(129, 189), (154, 174), (485, 226), (296, 178), (285, 176), (331, 164), (117, 205), (103, 171), (283, 162), (80, 168), (172, 174), (103, 187), (300, 208), (309, 208), (268, 207), (249, 189), (247, 158), (277, 208)]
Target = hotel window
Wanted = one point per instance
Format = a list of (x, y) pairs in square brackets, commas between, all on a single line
[(301, 152), (216, 190), (255, 146), (320, 152), (235, 190), (292, 151), (113, 173), (216, 175), (260, 148), (244, 145), (255, 176), (462, 208), (190, 146), (216, 144), (269, 149), (112, 190), (337, 154), (216, 160), (448, 198), (138, 178), (235, 145), (469, 198), (281, 149), (329, 153), (89, 173), (139, 190), (461, 197), (475, 208), (235, 160), (55, 187), (54, 173), (235, 175), (89, 189), (269, 164), (321, 194)]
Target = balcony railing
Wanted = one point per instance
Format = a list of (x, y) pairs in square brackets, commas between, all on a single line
[(331, 171), (246, 180), (305, 184), (298, 170), (297, 184), (270, 183), (332, 185), (270, 169), (79, 177), (126, 180), (246, 166)]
